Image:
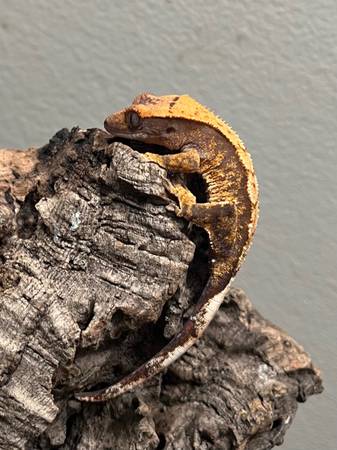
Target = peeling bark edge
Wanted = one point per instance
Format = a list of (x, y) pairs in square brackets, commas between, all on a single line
[(95, 271)]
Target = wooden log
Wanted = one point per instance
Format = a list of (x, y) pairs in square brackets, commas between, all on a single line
[(96, 273)]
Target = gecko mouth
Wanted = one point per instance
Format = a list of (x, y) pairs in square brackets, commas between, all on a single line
[(138, 144), (139, 134), (126, 134)]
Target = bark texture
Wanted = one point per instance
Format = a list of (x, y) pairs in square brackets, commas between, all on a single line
[(96, 273)]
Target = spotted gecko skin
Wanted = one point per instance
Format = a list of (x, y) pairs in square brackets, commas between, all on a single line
[(197, 141)]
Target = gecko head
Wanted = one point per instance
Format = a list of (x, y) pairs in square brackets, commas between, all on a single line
[(150, 119)]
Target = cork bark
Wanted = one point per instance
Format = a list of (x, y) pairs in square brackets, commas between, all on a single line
[(96, 274)]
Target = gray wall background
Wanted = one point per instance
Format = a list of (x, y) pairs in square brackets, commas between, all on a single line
[(269, 68)]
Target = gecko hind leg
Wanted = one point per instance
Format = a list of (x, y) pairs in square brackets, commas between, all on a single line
[(217, 218), (220, 221), (210, 214)]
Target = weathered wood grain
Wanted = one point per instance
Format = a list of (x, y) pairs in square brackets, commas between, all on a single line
[(95, 272)]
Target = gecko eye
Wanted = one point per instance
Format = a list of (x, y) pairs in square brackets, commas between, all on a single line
[(170, 130), (133, 119)]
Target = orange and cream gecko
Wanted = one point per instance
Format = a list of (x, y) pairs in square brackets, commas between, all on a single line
[(197, 141)]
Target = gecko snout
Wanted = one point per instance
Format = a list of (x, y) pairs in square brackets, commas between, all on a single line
[(106, 124)]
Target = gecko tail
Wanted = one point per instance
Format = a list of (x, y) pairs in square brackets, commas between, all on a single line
[(193, 328)]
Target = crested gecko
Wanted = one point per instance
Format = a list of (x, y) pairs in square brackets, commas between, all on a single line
[(197, 141)]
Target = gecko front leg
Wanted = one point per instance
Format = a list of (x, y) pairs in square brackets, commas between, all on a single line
[(186, 161)]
